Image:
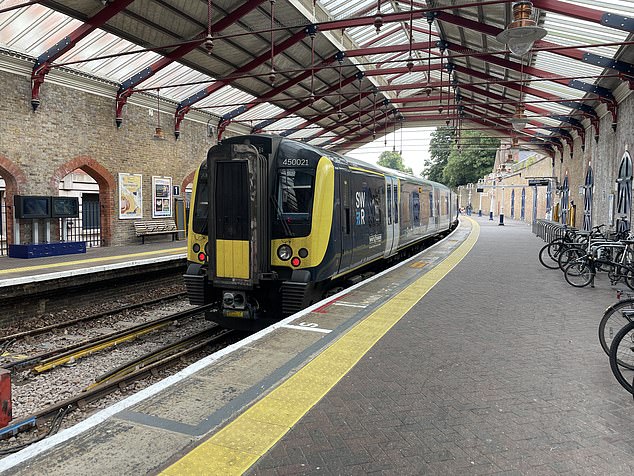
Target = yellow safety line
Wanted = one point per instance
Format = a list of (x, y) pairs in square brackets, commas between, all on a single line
[(82, 353), (235, 448), (92, 260)]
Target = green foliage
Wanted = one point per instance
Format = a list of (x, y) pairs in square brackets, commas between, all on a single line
[(393, 160), (474, 161), (442, 140)]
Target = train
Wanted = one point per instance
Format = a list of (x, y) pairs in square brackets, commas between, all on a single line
[(275, 224)]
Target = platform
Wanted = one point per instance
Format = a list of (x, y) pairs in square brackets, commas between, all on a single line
[(470, 358), (26, 286)]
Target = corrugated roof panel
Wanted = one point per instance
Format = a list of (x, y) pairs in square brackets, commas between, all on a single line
[(621, 7), (224, 100), (261, 112), (284, 124)]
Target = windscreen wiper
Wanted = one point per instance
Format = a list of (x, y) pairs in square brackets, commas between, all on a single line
[(287, 229)]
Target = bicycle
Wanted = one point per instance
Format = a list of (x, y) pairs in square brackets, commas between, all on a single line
[(550, 251), (573, 251), (582, 271), (622, 350), (614, 319)]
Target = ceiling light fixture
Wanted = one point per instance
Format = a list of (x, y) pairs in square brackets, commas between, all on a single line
[(519, 119), (523, 31)]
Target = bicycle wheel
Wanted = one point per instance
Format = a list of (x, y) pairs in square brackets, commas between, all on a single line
[(614, 318), (579, 273), (548, 254), (622, 350), (568, 255)]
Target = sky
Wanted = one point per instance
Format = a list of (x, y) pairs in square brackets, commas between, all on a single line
[(414, 146)]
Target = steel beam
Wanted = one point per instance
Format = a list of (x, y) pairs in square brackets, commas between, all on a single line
[(258, 127), (573, 53), (185, 105), (579, 12), (127, 87), (43, 63), (325, 115), (603, 93)]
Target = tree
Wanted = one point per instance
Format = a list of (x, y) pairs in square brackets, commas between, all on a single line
[(472, 161), (393, 160), (442, 139)]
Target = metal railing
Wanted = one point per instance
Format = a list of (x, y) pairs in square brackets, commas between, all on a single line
[(87, 227), (4, 245)]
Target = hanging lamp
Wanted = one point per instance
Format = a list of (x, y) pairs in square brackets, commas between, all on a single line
[(519, 119), (522, 32)]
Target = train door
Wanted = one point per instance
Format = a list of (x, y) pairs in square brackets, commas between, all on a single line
[(436, 208), (345, 217), (396, 213), (391, 229)]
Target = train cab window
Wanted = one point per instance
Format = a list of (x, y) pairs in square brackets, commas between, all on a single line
[(201, 202), (295, 192), (294, 201)]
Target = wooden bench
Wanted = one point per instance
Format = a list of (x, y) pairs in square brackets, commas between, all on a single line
[(155, 227)]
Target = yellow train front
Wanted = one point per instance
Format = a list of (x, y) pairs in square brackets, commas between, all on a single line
[(275, 223)]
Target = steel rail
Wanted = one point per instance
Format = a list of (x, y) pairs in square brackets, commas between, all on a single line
[(48, 360), (42, 330), (79, 401), (153, 356)]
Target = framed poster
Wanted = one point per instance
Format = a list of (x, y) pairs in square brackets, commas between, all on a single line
[(161, 197), (130, 196)]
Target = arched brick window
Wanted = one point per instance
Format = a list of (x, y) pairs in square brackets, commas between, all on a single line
[(587, 199), (513, 203), (523, 207), (624, 193), (565, 197)]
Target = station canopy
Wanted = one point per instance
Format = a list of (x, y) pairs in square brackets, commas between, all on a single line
[(338, 73)]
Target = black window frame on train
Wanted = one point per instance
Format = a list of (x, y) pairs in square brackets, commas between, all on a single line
[(303, 159), (201, 207)]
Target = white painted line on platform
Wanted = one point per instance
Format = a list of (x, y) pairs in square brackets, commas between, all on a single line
[(41, 446), (339, 303), (307, 328), (95, 269)]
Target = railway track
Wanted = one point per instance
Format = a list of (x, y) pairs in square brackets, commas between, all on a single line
[(115, 380), (49, 360), (60, 325), (28, 371)]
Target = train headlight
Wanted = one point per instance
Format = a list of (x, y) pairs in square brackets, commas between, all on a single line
[(284, 252), (228, 299), (303, 252)]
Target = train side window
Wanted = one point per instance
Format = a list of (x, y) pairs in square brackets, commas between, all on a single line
[(395, 203), (346, 205), (431, 204), (388, 203), (376, 205), (416, 207)]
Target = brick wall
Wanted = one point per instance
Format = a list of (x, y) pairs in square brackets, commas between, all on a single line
[(603, 154), (73, 128)]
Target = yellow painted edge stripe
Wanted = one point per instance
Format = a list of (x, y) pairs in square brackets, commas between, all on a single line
[(92, 260), (367, 171), (235, 448)]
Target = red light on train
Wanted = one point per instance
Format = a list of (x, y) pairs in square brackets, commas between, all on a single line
[(201, 256), (296, 261)]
